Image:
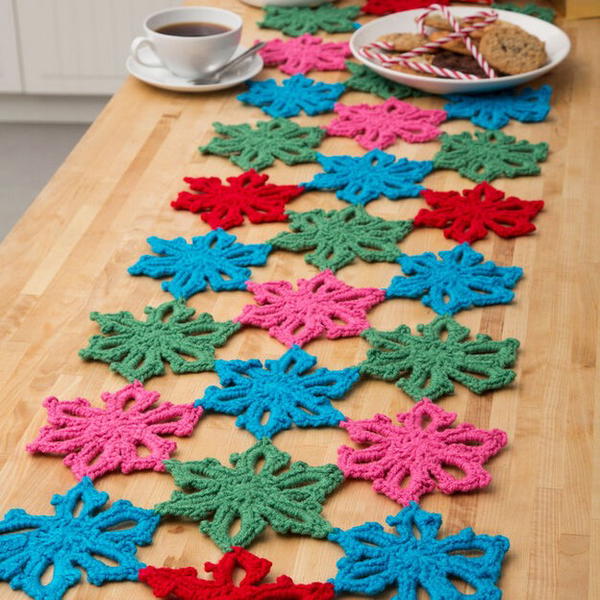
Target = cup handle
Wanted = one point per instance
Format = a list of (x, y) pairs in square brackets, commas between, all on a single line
[(137, 44)]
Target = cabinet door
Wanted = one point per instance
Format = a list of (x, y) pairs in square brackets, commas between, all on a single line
[(10, 74), (79, 46)]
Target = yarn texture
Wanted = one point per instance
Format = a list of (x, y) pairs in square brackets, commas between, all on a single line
[(418, 452), (468, 217), (298, 316), (376, 560), (96, 441), (137, 349), (289, 501), (533, 10), (427, 364), (458, 280), (386, 7), (216, 260), (364, 79), (288, 390), (185, 584), (245, 196), (69, 542), (338, 237)]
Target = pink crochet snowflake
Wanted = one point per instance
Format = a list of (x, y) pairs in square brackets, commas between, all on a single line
[(97, 441), (304, 54), (323, 304), (419, 451), (379, 125)]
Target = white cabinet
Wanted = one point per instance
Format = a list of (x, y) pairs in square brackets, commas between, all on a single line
[(10, 74)]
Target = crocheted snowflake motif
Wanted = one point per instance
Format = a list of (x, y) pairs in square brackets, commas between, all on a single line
[(294, 95), (70, 543), (360, 179), (495, 110), (456, 281), (467, 217), (488, 155), (185, 584), (366, 80), (215, 259), (339, 236), (246, 195), (297, 20), (304, 54), (385, 7), (290, 500), (417, 452), (425, 365), (284, 389), (380, 125), (416, 558), (533, 10), (258, 148), (323, 304), (137, 349), (96, 441)]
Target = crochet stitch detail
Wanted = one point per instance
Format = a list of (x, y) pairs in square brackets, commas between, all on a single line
[(417, 452), (70, 543), (290, 500), (380, 125), (246, 195), (386, 7), (304, 54), (361, 179), (298, 316), (339, 236), (214, 259), (137, 349), (286, 389), (294, 95), (427, 364), (376, 560), (467, 217), (186, 585), (458, 280), (258, 148), (366, 80), (488, 155), (494, 110), (533, 10), (96, 441), (297, 20)]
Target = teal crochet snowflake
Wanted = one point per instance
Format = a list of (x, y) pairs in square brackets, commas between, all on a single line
[(416, 558), (214, 259), (533, 10), (286, 390), (364, 79), (71, 542)]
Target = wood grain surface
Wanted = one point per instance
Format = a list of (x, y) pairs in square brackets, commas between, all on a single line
[(69, 254)]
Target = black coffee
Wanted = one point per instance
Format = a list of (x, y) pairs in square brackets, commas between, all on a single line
[(192, 29)]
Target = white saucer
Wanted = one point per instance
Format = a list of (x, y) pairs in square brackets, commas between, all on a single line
[(162, 78)]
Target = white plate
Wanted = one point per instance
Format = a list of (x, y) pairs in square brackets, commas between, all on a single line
[(286, 2), (557, 48), (163, 78)]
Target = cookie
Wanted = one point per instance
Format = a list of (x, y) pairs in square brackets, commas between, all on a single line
[(404, 42), (426, 58), (452, 45), (458, 62)]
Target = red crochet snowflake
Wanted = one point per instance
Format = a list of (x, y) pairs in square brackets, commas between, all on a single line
[(385, 7), (184, 584), (247, 194), (467, 217), (298, 316)]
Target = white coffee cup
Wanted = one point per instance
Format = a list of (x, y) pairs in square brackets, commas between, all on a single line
[(189, 56)]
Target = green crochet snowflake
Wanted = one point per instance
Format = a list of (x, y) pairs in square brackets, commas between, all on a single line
[(256, 495), (489, 155), (339, 236), (533, 10), (367, 80), (258, 148), (138, 349), (425, 365), (295, 21)]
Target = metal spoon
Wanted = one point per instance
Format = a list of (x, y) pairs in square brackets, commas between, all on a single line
[(216, 75)]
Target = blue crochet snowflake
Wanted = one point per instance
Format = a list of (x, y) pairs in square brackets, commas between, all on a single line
[(283, 388), (494, 110), (214, 259), (360, 179), (459, 280), (71, 542), (296, 94), (376, 559)]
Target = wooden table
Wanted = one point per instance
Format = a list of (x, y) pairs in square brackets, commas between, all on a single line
[(69, 254)]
